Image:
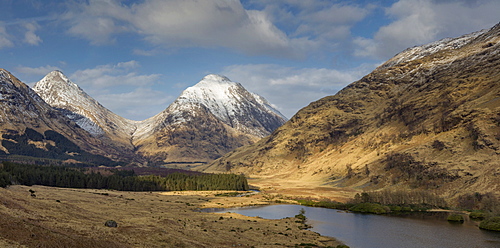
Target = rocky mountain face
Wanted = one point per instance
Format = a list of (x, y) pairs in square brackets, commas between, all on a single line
[(70, 100), (206, 121), (31, 127), (427, 119)]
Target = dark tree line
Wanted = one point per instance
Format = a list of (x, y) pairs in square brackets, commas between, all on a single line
[(71, 177), (181, 181), (68, 177)]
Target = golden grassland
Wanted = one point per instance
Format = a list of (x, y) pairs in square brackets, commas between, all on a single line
[(62, 217)]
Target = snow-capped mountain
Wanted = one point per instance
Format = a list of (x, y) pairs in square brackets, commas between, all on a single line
[(231, 103), (69, 99), (207, 120), (31, 127)]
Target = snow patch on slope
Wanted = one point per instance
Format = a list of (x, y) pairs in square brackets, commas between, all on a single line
[(4, 74), (418, 52)]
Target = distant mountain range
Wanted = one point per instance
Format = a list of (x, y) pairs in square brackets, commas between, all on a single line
[(429, 118), (206, 121)]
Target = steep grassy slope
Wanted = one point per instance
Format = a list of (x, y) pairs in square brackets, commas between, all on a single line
[(431, 122)]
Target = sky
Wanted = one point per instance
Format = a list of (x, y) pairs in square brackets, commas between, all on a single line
[(136, 57)]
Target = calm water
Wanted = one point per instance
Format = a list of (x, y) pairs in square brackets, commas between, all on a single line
[(371, 231)]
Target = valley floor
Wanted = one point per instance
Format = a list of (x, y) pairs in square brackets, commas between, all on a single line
[(294, 189), (60, 217)]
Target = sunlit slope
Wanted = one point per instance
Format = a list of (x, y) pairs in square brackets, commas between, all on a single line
[(429, 118)]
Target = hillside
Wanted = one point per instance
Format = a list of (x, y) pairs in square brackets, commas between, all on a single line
[(429, 118)]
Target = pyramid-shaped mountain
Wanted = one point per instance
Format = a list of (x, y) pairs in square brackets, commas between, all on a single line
[(206, 121)]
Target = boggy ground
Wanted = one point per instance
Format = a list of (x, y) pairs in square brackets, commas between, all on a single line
[(60, 217)]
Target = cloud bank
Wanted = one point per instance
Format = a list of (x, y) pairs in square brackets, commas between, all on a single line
[(416, 22), (180, 23)]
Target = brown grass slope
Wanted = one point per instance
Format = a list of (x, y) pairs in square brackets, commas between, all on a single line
[(201, 138), (429, 123)]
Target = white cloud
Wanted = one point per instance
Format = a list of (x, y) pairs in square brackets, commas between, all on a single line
[(423, 21), (180, 23), (139, 104), (278, 28), (36, 71), (97, 20), (120, 74), (290, 89), (316, 25), (143, 52), (30, 37), (332, 22), (5, 38)]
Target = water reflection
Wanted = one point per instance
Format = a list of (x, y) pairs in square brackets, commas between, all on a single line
[(365, 230)]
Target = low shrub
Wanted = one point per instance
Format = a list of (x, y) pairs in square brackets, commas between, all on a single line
[(477, 215), (455, 218), (373, 208), (492, 224)]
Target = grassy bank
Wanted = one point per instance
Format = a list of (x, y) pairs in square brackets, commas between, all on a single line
[(383, 202), (68, 217)]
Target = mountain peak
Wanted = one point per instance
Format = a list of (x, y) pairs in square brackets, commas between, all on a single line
[(230, 103), (206, 121), (55, 78), (59, 92), (215, 78)]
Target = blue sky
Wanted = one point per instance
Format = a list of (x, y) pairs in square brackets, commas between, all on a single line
[(136, 57)]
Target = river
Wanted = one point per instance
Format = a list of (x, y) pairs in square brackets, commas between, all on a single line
[(367, 230)]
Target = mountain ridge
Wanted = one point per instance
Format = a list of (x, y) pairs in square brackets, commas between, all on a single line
[(429, 122), (214, 103)]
